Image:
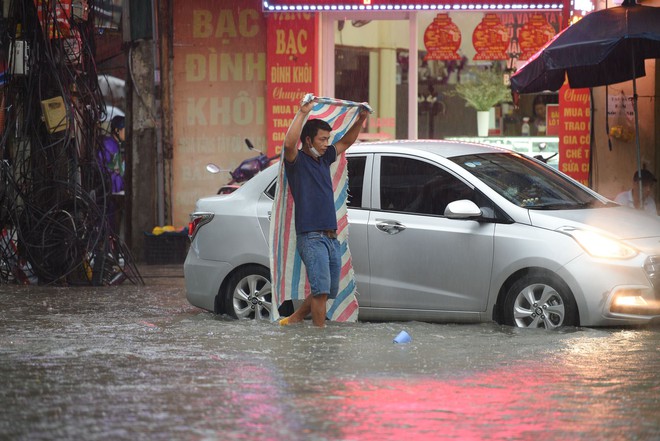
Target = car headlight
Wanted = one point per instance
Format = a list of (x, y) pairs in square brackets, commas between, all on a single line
[(599, 245), (634, 301)]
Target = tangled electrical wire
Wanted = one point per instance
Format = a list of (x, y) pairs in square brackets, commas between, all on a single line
[(54, 190)]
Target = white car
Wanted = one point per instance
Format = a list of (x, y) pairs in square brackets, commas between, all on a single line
[(446, 231)]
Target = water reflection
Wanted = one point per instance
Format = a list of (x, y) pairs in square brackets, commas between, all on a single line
[(474, 408), (142, 363), (593, 386)]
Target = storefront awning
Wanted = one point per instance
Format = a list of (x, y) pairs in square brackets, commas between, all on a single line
[(417, 5)]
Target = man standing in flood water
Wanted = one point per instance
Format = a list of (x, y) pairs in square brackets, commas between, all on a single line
[(308, 174)]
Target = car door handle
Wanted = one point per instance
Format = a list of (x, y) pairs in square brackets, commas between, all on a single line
[(389, 226), (269, 214)]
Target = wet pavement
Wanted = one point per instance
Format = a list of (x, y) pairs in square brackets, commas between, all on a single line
[(138, 362)]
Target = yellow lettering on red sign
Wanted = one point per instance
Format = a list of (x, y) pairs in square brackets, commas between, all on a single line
[(291, 43), (574, 132)]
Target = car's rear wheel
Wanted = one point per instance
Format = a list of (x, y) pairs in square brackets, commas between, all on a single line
[(249, 295), (539, 301)]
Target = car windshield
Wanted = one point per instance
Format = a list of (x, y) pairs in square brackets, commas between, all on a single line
[(526, 183)]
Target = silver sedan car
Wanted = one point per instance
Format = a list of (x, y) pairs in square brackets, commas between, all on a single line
[(445, 231)]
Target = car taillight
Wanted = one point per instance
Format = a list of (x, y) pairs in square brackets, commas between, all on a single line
[(198, 220)]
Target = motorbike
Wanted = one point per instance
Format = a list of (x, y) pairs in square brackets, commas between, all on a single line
[(245, 171)]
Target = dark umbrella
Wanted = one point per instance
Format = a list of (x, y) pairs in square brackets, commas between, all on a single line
[(605, 47)]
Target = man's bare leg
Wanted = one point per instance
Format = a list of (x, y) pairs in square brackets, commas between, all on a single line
[(313, 304), (318, 309), (299, 314)]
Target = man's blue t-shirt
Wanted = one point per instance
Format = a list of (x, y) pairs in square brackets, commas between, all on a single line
[(311, 188)]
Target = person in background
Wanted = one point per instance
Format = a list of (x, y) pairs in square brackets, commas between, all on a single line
[(630, 198), (110, 157), (538, 122)]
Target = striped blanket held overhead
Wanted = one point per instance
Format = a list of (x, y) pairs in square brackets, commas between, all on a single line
[(288, 273)]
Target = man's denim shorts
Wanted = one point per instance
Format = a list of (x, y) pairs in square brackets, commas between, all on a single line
[(322, 257)]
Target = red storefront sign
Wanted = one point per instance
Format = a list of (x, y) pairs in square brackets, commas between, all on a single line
[(490, 39), (285, 5), (442, 39), (574, 132), (292, 65), (534, 35)]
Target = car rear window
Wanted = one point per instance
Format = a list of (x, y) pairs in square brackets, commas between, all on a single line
[(356, 166), (272, 188)]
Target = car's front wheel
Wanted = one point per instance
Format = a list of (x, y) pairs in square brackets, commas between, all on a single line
[(249, 296), (539, 301)]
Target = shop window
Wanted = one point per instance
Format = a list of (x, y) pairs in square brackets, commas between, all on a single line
[(443, 114), (534, 107), (352, 73)]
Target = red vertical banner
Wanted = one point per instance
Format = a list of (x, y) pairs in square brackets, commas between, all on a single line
[(574, 132), (292, 50)]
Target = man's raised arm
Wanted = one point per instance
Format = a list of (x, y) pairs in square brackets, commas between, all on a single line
[(351, 135), (293, 133)]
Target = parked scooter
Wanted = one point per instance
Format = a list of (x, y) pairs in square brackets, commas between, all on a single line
[(245, 170)]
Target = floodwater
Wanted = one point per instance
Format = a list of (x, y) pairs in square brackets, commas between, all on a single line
[(140, 363)]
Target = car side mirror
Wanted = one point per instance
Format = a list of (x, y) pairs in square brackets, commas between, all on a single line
[(462, 209)]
